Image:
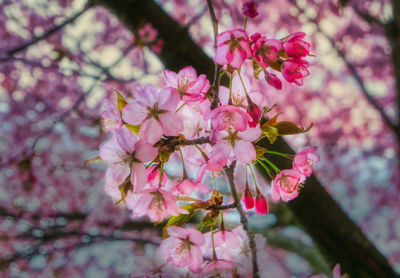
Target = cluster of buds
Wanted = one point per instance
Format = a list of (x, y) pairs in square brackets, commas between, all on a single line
[(210, 129)]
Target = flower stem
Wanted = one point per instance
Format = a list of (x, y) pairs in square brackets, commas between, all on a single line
[(254, 177), (279, 153), (277, 170), (266, 168), (185, 176), (161, 173)]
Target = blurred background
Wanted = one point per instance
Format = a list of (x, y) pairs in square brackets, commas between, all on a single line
[(60, 58)]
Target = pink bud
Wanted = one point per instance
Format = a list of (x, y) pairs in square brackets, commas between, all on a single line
[(254, 112), (249, 9), (273, 80), (247, 198), (261, 203)]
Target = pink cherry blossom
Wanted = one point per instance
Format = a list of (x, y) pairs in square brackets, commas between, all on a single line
[(273, 80), (190, 87), (123, 150), (249, 9), (182, 247), (147, 33), (228, 142), (295, 47), (285, 185), (295, 70), (304, 160), (155, 113), (265, 50), (228, 115), (158, 204), (233, 48)]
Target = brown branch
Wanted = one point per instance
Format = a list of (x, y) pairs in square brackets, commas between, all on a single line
[(229, 171), (217, 71)]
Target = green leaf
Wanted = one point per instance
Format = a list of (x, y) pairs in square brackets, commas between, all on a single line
[(271, 133), (121, 102), (289, 128), (275, 65), (134, 128), (179, 220)]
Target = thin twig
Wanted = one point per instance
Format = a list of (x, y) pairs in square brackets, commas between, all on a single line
[(216, 82), (48, 33), (229, 171)]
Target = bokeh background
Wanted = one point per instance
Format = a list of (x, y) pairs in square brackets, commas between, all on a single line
[(59, 59)]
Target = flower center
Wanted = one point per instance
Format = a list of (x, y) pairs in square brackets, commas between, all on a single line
[(234, 43)]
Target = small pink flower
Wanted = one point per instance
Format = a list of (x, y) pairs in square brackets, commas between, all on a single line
[(228, 115), (228, 142), (285, 185), (147, 33), (273, 80), (265, 50), (261, 203), (158, 204), (295, 47), (124, 154), (304, 160), (249, 9), (190, 87), (247, 197), (295, 70), (182, 247), (233, 48), (155, 113)]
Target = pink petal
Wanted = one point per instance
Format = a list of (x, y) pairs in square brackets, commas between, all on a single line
[(151, 131), (134, 113), (126, 139), (146, 96), (145, 151), (244, 152), (195, 258), (138, 176), (171, 123), (171, 78), (168, 99)]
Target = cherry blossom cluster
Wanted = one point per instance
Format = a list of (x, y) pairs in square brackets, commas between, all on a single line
[(210, 128)]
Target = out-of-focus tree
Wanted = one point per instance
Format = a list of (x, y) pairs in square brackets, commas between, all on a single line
[(58, 59)]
